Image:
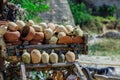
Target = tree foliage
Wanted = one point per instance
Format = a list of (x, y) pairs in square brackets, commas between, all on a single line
[(33, 7), (80, 13)]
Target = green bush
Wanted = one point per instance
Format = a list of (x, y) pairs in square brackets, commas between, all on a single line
[(81, 15), (33, 7), (106, 10)]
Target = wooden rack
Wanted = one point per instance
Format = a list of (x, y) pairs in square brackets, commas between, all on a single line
[(69, 66), (81, 48)]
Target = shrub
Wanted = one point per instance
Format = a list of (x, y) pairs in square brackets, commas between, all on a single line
[(80, 13), (107, 10), (33, 7)]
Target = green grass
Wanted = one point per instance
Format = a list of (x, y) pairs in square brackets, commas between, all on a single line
[(108, 47)]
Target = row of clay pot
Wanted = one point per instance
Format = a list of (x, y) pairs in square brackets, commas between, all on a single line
[(27, 34), (37, 34)]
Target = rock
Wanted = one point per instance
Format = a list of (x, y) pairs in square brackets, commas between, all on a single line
[(111, 34), (59, 13)]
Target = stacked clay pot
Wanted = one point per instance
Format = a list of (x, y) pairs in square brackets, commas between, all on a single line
[(12, 36), (27, 33), (42, 33), (38, 37)]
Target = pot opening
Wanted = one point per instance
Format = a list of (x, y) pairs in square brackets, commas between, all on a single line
[(25, 31)]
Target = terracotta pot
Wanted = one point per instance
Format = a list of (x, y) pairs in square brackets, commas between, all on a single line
[(65, 40), (33, 42), (52, 26), (78, 39), (15, 43), (12, 26), (35, 56), (20, 24), (45, 57), (70, 56), (53, 57), (39, 36), (12, 36), (27, 33)]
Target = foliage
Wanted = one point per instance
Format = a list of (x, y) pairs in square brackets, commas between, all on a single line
[(111, 18), (106, 46), (80, 13), (106, 10), (33, 7)]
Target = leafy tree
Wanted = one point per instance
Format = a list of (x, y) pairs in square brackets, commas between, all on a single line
[(81, 15), (107, 10), (33, 7)]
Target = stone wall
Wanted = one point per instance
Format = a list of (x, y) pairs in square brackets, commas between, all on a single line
[(59, 12)]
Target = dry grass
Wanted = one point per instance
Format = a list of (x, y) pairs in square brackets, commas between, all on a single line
[(108, 47)]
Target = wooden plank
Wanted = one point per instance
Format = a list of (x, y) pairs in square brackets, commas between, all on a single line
[(2, 66), (47, 46), (48, 65), (23, 71), (11, 50), (81, 74)]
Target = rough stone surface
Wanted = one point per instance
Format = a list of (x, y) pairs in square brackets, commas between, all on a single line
[(59, 12), (112, 34)]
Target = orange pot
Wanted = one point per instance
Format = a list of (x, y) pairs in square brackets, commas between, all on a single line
[(77, 39), (27, 33), (65, 40), (12, 36), (39, 36), (33, 42), (14, 43)]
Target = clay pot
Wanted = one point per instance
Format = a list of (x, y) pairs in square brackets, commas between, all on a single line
[(78, 39), (39, 36), (61, 57), (14, 43), (27, 33), (70, 56), (3, 29), (45, 57), (52, 26), (37, 28), (65, 40), (29, 23), (26, 57), (12, 36), (34, 42), (12, 26), (53, 40), (20, 24), (48, 33), (53, 57), (69, 28), (17, 43), (35, 56), (61, 34)]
